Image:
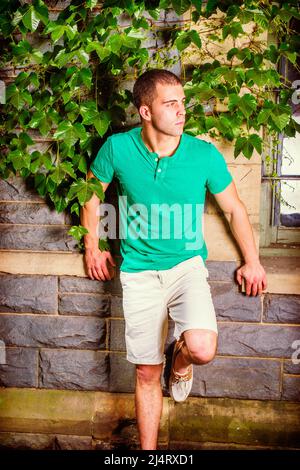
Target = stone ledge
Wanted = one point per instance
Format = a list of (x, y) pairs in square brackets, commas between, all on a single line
[(110, 418), (283, 273)]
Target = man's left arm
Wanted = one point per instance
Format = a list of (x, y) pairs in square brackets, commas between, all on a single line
[(237, 217)]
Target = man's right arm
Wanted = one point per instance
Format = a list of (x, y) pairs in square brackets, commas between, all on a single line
[(100, 264)]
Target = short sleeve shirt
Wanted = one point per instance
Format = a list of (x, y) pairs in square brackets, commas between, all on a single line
[(161, 200)]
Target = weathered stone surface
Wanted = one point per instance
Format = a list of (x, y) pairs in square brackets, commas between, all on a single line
[(233, 305), (183, 445), (257, 340), (81, 284), (53, 331), (33, 237), (122, 374), (26, 441), (32, 441), (221, 270), (84, 304), (29, 213), (16, 189), (282, 308), (292, 367), (73, 370), (62, 442), (263, 423), (291, 388), (114, 421), (116, 308), (36, 294), (238, 378), (20, 368), (47, 411), (117, 335)]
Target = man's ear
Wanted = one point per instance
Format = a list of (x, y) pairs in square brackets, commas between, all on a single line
[(145, 112)]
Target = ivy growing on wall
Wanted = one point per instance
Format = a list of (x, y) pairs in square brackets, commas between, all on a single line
[(73, 66)]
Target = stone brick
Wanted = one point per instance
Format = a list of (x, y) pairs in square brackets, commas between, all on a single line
[(291, 388), (271, 423), (16, 189), (62, 442), (36, 294), (257, 340), (81, 284), (26, 441), (47, 411), (20, 369), (33, 237), (292, 368), (84, 304), (117, 335), (29, 213), (73, 370), (116, 308), (233, 305), (238, 378), (122, 374), (53, 331), (282, 308), (221, 270)]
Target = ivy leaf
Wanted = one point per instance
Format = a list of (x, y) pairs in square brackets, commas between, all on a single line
[(256, 141), (263, 115), (280, 119), (60, 172), (183, 40), (19, 159), (211, 5), (83, 56), (83, 190), (181, 6), (233, 29), (41, 11), (102, 123), (89, 112), (247, 104), (194, 35), (91, 3), (242, 144), (77, 231), (31, 19), (57, 32), (86, 76), (66, 133), (38, 160)]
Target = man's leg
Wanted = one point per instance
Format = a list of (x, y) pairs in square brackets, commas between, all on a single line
[(199, 348), (148, 403)]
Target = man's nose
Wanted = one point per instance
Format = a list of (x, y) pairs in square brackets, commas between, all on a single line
[(181, 109)]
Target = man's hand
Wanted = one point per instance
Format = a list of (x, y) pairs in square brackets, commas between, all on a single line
[(100, 264), (254, 276)]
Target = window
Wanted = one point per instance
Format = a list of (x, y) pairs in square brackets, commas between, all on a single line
[(280, 203)]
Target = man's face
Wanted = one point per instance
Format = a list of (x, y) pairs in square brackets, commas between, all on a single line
[(167, 110)]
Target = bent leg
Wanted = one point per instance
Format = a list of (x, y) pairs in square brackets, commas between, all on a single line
[(199, 348), (148, 403)]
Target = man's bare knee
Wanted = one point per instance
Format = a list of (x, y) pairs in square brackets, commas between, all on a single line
[(201, 347), (147, 374)]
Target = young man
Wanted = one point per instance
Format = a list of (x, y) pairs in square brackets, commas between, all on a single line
[(162, 176)]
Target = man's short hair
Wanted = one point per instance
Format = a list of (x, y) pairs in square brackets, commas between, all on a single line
[(144, 90)]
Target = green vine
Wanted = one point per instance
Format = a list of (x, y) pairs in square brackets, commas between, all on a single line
[(70, 69)]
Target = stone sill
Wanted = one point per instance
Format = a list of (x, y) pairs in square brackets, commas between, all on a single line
[(283, 273), (110, 417)]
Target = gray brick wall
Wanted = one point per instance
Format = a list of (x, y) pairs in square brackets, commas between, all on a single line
[(67, 332)]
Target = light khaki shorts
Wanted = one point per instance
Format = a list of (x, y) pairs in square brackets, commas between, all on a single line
[(149, 296)]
